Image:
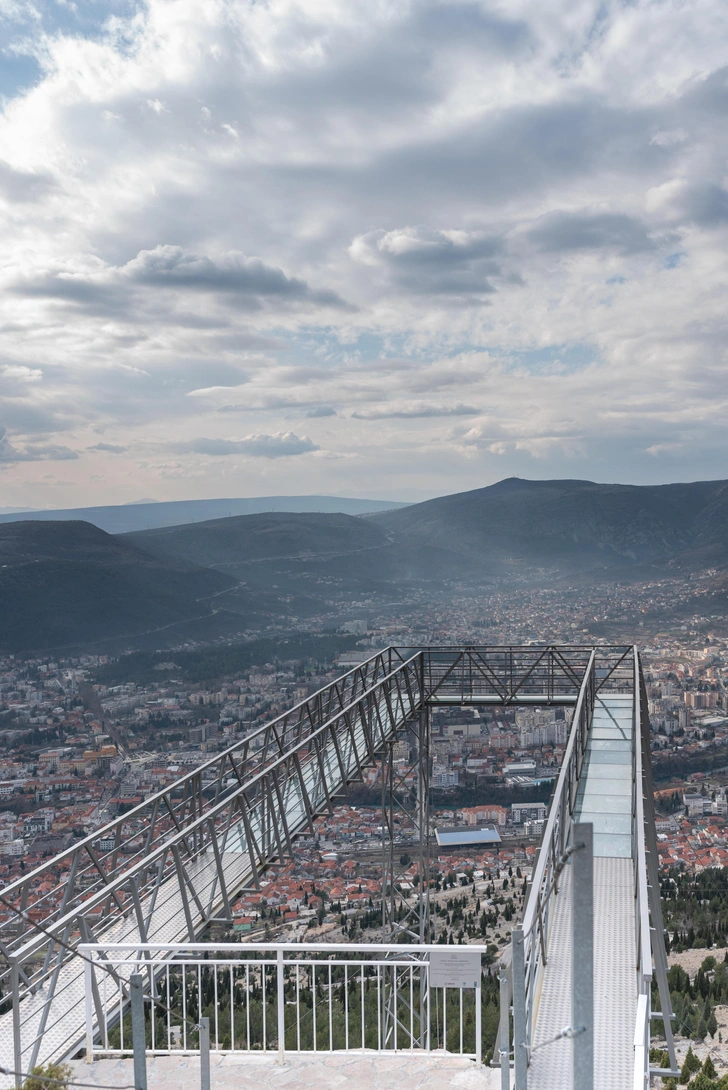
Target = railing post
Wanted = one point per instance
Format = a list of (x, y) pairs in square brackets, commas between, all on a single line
[(17, 1047), (504, 1043), (520, 1043), (281, 1008), (138, 1033), (88, 982), (478, 1020), (204, 1054), (582, 956)]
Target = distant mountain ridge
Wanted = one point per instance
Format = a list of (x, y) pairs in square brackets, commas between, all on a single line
[(229, 542), (68, 583), (572, 525), (71, 583), (149, 515)]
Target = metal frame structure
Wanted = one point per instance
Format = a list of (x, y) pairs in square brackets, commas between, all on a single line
[(531, 941), (214, 831), (402, 919)]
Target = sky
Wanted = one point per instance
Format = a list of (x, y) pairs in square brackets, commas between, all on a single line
[(359, 247)]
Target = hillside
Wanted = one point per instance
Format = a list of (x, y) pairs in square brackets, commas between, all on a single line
[(146, 515), (70, 583), (571, 526), (229, 542)]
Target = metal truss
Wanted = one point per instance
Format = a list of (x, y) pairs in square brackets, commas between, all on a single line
[(215, 830), (406, 793)]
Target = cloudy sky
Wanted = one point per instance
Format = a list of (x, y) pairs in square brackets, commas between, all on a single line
[(367, 247)]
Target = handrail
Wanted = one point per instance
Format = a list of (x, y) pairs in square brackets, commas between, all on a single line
[(215, 761), (640, 857), (556, 802), (642, 910), (173, 839)]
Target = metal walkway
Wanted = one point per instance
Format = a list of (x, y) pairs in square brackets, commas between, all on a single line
[(604, 798), (181, 857)]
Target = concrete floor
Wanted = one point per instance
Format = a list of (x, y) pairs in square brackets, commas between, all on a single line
[(299, 1072)]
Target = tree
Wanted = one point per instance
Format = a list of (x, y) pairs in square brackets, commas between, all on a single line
[(691, 1064), (49, 1077), (709, 1068)]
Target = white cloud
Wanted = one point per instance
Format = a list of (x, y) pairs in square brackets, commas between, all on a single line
[(281, 445), (459, 239)]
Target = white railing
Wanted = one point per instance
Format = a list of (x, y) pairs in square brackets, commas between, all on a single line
[(641, 1078), (531, 939), (292, 997)]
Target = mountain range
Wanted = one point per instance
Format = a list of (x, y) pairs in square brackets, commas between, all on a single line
[(69, 582), (148, 514)]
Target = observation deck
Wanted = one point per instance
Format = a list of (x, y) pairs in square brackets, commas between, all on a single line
[(593, 905)]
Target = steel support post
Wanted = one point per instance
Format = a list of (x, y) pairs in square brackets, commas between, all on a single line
[(88, 988), (204, 1054), (412, 799), (423, 821), (520, 1041), (582, 956), (138, 1030), (504, 1043), (387, 844), (17, 1046), (479, 1019), (281, 1000)]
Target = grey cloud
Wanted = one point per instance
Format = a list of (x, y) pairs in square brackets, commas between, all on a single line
[(171, 266), (23, 186), (116, 289), (559, 231), (109, 448), (706, 204), (281, 445), (22, 416), (33, 453), (707, 95), (432, 262), (416, 412), (321, 410), (398, 64)]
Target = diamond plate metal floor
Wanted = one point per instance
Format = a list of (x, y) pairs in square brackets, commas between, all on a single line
[(605, 799)]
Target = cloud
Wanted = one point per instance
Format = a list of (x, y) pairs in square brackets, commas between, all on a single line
[(281, 445), (415, 412), (707, 204), (561, 231), (171, 266), (427, 262), (24, 186), (33, 452), (451, 212), (108, 448), (125, 289)]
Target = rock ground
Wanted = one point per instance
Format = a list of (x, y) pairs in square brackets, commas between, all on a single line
[(298, 1072)]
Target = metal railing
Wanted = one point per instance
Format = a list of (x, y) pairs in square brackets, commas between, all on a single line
[(641, 906), (649, 931), (531, 939), (278, 998)]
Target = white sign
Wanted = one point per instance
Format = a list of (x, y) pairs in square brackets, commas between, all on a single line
[(454, 967)]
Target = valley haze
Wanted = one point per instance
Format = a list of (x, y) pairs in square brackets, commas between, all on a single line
[(67, 583)]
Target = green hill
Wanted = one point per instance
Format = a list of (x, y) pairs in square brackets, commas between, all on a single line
[(570, 526), (69, 583), (244, 539)]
